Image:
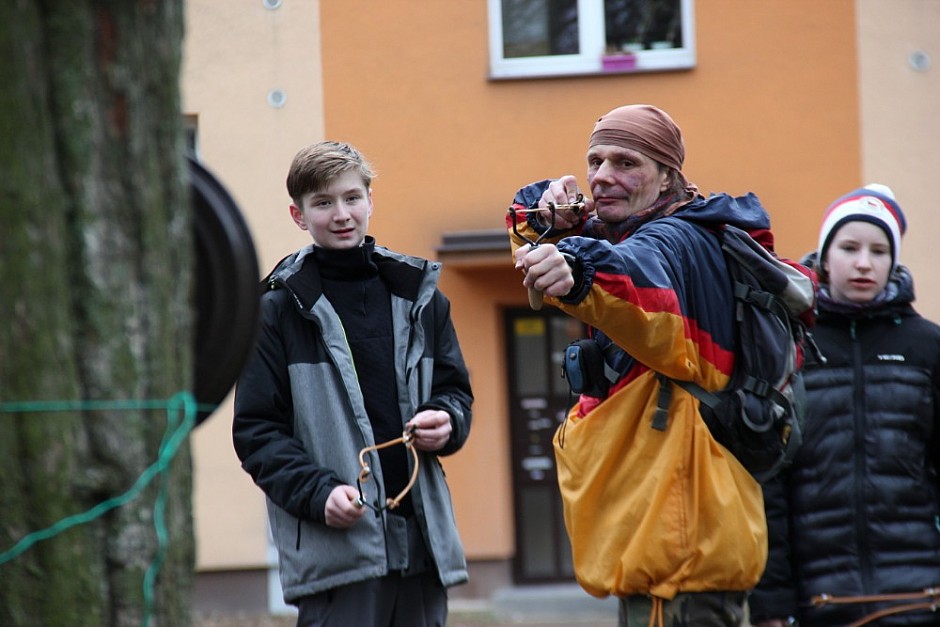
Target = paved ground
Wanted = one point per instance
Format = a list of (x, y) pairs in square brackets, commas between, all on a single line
[(564, 605), (457, 619), (218, 619), (544, 606)]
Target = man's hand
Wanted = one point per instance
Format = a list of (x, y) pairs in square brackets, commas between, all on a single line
[(545, 269), (341, 511), (563, 191), (432, 429)]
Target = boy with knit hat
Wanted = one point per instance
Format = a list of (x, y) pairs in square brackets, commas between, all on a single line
[(852, 522), (663, 517)]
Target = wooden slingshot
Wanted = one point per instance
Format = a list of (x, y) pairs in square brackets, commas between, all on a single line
[(407, 439), (927, 599), (535, 296)]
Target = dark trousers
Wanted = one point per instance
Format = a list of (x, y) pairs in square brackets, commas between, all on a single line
[(390, 601), (691, 609)]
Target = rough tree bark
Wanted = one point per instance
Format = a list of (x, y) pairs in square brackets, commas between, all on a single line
[(95, 260)]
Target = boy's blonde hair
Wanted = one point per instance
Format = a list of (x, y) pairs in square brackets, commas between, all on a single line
[(317, 165)]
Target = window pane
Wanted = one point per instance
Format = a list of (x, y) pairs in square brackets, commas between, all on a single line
[(530, 350), (544, 38), (538, 536), (534, 28), (643, 24)]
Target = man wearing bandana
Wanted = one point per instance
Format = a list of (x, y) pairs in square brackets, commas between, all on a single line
[(663, 517)]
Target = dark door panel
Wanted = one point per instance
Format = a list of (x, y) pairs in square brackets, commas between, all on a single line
[(539, 400)]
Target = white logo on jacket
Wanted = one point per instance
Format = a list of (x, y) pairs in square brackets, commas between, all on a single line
[(891, 358)]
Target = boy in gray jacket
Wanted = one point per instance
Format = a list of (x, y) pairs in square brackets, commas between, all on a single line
[(356, 349)]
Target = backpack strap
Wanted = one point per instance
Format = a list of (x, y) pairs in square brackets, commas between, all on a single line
[(757, 386), (612, 375), (748, 294), (661, 416), (711, 400), (698, 392)]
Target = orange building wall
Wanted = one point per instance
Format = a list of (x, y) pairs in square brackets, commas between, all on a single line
[(772, 107)]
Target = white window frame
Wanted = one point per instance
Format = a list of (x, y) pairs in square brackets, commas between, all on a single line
[(592, 37)]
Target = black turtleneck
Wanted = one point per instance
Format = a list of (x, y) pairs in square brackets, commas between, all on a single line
[(352, 284)]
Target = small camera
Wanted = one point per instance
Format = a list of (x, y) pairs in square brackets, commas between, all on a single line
[(584, 368)]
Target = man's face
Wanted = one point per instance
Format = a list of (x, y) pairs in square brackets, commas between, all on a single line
[(623, 181), (337, 216)]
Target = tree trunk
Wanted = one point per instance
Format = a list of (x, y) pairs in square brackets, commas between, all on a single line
[(95, 266)]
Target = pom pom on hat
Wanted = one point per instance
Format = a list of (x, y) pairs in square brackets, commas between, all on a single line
[(873, 203)]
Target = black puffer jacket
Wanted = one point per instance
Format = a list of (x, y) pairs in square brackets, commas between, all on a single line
[(857, 513)]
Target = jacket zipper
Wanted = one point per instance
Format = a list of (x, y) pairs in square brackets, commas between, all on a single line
[(859, 424)]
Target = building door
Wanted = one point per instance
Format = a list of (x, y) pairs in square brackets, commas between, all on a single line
[(539, 400)]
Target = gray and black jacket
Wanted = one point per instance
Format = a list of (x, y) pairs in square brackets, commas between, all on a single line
[(300, 420), (858, 512)]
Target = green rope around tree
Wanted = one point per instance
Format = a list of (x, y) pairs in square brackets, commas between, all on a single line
[(181, 412)]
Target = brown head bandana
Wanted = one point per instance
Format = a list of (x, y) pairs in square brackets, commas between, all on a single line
[(646, 129)]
